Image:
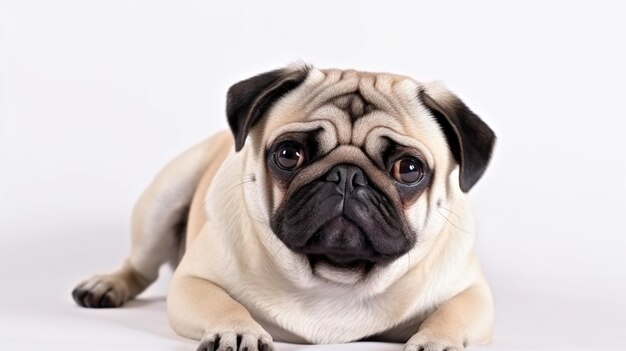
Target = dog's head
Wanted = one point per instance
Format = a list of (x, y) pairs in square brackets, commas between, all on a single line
[(350, 166)]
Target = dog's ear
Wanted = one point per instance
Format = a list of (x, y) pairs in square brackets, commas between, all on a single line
[(470, 139), (248, 100)]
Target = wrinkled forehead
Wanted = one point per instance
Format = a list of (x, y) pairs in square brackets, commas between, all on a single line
[(354, 108)]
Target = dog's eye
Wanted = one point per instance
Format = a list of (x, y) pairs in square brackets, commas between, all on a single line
[(289, 157), (407, 170)]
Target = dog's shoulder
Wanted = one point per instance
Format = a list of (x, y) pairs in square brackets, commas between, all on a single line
[(217, 148)]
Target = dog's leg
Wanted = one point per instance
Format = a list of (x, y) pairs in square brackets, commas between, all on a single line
[(201, 310), (466, 319), (157, 228)]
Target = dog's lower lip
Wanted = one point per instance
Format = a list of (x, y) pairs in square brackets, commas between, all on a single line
[(339, 261)]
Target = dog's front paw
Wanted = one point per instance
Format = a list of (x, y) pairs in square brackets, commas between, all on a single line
[(101, 291), (233, 340), (426, 342)]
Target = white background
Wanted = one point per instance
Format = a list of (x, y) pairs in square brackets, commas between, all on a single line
[(96, 96)]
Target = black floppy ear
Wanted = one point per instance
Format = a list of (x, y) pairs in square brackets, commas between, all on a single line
[(248, 100), (470, 139)]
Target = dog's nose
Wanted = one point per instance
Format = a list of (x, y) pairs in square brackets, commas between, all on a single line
[(347, 177)]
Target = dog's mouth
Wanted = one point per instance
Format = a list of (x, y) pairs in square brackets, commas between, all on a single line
[(340, 252), (340, 262), (342, 245), (338, 269)]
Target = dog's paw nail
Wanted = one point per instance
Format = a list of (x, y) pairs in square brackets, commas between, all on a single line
[(236, 341), (206, 345)]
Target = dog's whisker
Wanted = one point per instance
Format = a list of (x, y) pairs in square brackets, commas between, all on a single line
[(406, 240), (454, 224), (408, 267), (280, 247), (240, 184), (450, 211)]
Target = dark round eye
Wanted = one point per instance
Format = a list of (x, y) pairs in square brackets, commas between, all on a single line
[(289, 157), (407, 170)]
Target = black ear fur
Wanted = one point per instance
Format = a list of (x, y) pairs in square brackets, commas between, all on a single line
[(470, 139), (248, 100)]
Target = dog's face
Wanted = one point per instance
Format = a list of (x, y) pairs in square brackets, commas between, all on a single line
[(349, 167)]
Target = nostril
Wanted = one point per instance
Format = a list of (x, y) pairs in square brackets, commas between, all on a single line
[(358, 178), (334, 176)]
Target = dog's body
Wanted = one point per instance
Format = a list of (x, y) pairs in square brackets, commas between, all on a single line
[(391, 261)]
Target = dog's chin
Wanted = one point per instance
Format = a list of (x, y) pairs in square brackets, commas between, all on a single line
[(339, 271)]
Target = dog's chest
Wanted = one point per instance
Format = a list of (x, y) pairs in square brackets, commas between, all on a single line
[(324, 317)]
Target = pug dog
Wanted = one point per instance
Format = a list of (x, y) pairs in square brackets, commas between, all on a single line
[(335, 210)]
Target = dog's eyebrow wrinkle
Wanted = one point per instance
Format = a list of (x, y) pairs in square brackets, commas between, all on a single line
[(326, 125), (337, 117), (395, 136), (336, 128), (344, 98), (353, 104), (370, 157)]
